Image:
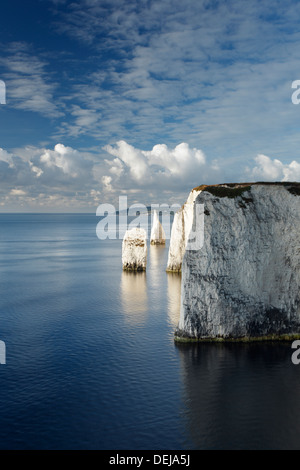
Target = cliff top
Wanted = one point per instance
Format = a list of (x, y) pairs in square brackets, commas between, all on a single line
[(233, 190)]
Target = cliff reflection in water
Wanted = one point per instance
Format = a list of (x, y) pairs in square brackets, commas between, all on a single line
[(134, 296), (156, 271), (174, 297), (240, 396), (157, 276)]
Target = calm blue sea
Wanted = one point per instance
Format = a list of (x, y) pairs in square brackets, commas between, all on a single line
[(91, 361)]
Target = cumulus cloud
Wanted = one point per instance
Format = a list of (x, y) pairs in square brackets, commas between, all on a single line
[(67, 159), (60, 178), (38, 171), (134, 159), (6, 157), (160, 166), (176, 170), (178, 161), (274, 170), (63, 178), (63, 167), (17, 192), (106, 181)]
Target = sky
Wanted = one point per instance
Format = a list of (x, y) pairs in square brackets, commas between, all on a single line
[(144, 98)]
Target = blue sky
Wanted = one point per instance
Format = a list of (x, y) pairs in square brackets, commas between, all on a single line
[(144, 97)]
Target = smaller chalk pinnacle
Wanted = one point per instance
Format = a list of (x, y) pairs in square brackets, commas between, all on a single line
[(158, 236), (134, 250)]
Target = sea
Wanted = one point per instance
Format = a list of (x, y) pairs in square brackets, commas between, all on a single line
[(91, 361)]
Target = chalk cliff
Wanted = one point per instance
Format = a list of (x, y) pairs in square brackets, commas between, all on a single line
[(244, 283), (182, 225), (158, 236), (134, 250)]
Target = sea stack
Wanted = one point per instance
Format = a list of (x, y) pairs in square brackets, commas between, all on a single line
[(181, 228), (158, 236), (244, 282), (134, 250)]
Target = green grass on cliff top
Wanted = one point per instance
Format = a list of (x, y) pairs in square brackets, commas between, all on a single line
[(234, 190)]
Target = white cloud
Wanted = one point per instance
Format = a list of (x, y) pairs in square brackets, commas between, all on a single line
[(28, 83), (64, 177), (292, 172), (37, 171), (6, 157), (47, 178), (116, 166), (96, 195), (46, 175), (133, 158), (84, 117), (178, 161), (215, 74), (161, 165), (106, 181), (274, 170), (17, 192), (70, 161)]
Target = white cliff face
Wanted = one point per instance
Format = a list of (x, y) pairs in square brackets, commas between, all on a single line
[(181, 228), (134, 250), (158, 236), (244, 282)]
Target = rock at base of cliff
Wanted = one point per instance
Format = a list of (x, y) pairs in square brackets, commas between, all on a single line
[(158, 236), (134, 250)]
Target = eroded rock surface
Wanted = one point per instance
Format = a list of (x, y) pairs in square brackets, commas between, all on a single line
[(134, 250), (245, 281), (181, 228)]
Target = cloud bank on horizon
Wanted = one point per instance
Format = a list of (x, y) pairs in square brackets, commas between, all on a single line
[(142, 97), (64, 177)]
